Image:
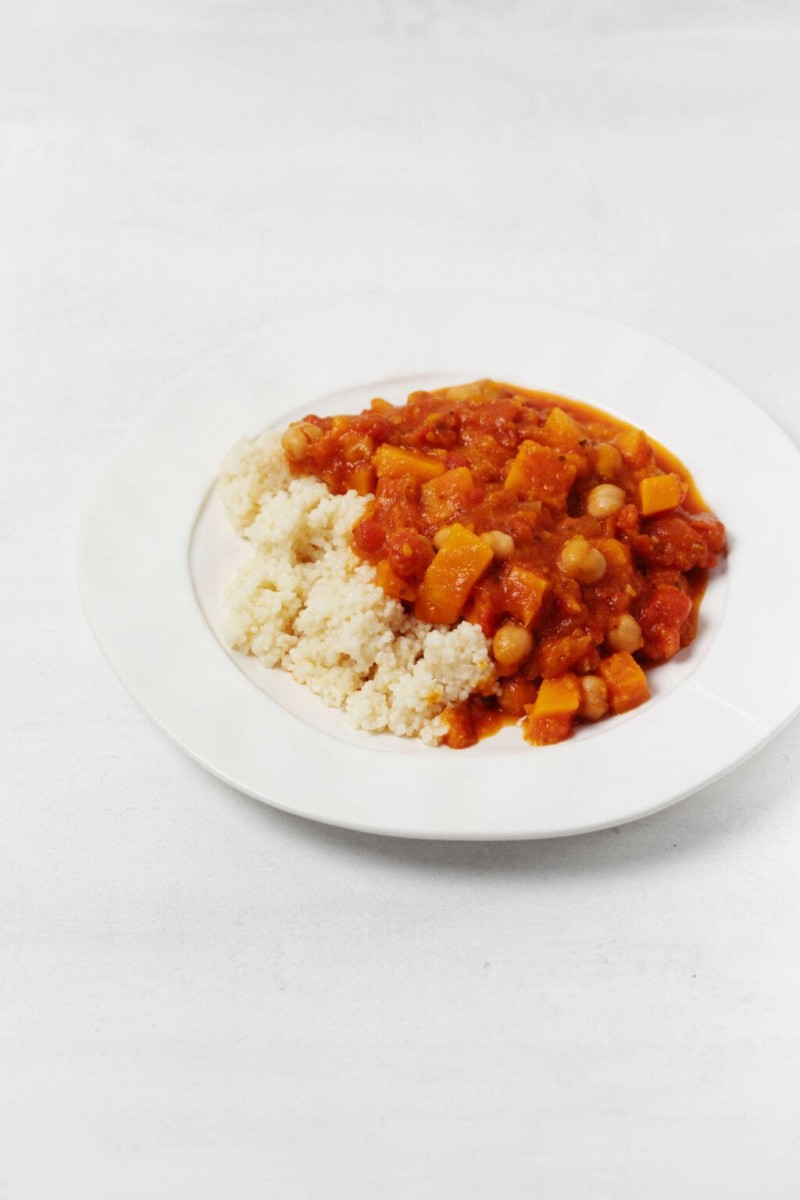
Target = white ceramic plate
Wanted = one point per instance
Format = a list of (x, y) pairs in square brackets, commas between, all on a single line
[(155, 552)]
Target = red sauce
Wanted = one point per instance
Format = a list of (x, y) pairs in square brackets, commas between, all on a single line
[(578, 544)]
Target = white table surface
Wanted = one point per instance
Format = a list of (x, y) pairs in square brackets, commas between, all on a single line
[(201, 997)]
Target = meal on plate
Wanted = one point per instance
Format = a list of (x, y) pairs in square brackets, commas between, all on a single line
[(479, 556)]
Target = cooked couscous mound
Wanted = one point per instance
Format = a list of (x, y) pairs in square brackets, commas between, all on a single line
[(305, 602)]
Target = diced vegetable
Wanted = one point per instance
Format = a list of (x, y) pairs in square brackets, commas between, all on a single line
[(558, 696), (677, 541), (460, 727), (515, 694), (362, 479), (540, 473), (393, 584), (607, 460), (563, 429), (451, 576), (523, 592), (625, 680), (368, 536), (634, 447), (660, 493), (444, 497), (409, 554), (393, 461), (551, 716), (662, 619), (483, 608), (557, 655)]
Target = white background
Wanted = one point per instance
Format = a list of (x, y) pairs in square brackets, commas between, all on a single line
[(200, 997)]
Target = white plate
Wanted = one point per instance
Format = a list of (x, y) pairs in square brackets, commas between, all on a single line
[(155, 551)]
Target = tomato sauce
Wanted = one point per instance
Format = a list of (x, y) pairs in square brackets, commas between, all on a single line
[(578, 544)]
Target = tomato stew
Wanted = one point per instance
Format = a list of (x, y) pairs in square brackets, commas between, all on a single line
[(578, 544)]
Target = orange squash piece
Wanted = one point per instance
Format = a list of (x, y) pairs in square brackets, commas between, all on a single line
[(562, 429), (625, 680), (450, 578), (616, 553), (444, 497), (550, 718), (392, 461), (634, 447), (393, 584), (660, 494), (523, 592), (541, 473), (558, 697), (362, 479), (557, 655)]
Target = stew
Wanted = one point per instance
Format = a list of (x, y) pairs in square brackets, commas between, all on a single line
[(578, 544)]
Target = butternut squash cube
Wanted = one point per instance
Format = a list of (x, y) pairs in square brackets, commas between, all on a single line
[(634, 447), (392, 461), (563, 429), (660, 494), (523, 592), (550, 718), (362, 479), (616, 553), (625, 680), (444, 497), (450, 578), (558, 697), (557, 655), (392, 583), (541, 473)]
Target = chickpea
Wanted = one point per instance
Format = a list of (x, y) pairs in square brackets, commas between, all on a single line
[(501, 544), (438, 538), (594, 697), (298, 438), (608, 461), (464, 392), (626, 634), (511, 644), (581, 561), (604, 500)]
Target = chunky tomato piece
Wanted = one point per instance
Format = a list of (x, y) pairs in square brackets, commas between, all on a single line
[(663, 617), (369, 537), (397, 504), (676, 541), (516, 694), (409, 553), (558, 655), (712, 531)]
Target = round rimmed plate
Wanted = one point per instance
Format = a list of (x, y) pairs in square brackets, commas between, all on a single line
[(155, 551)]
